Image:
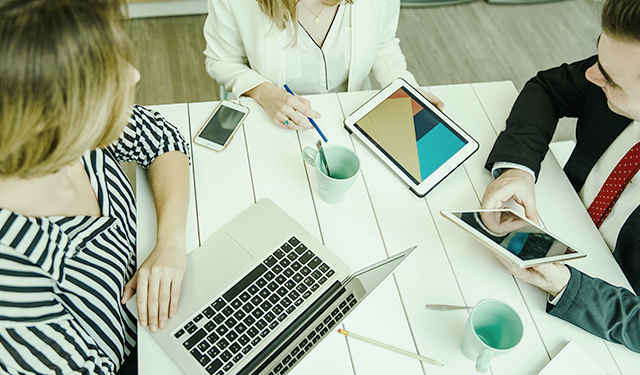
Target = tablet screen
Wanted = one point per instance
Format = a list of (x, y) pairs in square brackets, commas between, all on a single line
[(410, 135), (514, 234)]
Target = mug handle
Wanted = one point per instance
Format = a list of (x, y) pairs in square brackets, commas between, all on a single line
[(309, 155), (484, 358)]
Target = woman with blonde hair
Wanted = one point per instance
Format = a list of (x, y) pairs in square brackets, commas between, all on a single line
[(254, 47), (67, 210)]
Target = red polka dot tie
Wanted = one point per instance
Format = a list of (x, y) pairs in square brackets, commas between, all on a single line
[(614, 185)]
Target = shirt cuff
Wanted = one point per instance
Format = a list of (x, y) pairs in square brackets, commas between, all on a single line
[(499, 166), (476, 216), (557, 298)]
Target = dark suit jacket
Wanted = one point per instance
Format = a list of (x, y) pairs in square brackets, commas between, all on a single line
[(610, 312)]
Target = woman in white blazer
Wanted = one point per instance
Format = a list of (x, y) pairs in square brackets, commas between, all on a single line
[(334, 47)]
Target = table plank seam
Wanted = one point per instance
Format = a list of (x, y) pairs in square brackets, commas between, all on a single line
[(313, 198), (193, 175), (246, 147), (406, 316), (455, 277)]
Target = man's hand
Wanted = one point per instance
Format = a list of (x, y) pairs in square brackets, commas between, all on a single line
[(285, 110), (516, 184), (502, 223), (158, 282), (550, 277)]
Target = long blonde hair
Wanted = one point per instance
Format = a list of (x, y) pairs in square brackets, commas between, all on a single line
[(283, 12), (65, 84)]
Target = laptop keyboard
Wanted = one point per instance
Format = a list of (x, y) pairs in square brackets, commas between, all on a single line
[(224, 331)]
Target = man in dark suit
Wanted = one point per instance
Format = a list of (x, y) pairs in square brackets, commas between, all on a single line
[(603, 92)]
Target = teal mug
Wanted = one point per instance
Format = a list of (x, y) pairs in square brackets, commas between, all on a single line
[(493, 328), (344, 166)]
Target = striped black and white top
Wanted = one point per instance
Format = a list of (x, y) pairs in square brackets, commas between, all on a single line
[(61, 278)]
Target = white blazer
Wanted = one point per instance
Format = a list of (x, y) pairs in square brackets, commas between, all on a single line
[(245, 49)]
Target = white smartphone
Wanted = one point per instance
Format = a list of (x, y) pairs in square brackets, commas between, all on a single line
[(221, 126)]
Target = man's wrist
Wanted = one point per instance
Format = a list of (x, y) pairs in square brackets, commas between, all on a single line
[(553, 300), (558, 280), (500, 167)]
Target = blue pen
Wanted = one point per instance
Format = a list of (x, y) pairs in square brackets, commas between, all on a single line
[(310, 119)]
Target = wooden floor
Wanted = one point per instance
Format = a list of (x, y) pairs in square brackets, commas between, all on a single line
[(472, 42)]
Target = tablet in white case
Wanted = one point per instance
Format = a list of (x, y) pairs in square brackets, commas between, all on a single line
[(411, 136), (513, 236)]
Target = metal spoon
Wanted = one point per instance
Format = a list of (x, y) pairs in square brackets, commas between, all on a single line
[(436, 307), (323, 157)]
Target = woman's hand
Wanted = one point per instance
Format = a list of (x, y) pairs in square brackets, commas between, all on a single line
[(285, 110), (159, 278), (158, 282), (432, 98)]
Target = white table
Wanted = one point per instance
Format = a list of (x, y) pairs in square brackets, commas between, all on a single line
[(380, 217)]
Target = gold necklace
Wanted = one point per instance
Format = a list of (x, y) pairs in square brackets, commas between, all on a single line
[(316, 19)]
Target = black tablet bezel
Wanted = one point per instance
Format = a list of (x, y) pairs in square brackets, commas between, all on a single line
[(420, 188)]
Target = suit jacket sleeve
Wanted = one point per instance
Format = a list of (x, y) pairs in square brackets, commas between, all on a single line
[(550, 95), (607, 311), (627, 251)]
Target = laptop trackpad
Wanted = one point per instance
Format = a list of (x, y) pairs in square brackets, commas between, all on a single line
[(216, 263)]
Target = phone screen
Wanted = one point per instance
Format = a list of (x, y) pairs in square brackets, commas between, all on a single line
[(221, 125)]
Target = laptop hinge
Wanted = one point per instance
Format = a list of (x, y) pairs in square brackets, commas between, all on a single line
[(286, 337)]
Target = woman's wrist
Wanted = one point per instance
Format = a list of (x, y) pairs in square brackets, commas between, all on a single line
[(260, 91), (175, 240)]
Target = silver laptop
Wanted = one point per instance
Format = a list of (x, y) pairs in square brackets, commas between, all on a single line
[(261, 295)]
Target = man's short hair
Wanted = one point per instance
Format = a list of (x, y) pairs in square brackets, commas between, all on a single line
[(65, 82), (621, 19)]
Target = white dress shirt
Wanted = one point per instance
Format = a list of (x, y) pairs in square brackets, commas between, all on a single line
[(630, 197), (244, 48), (318, 70)]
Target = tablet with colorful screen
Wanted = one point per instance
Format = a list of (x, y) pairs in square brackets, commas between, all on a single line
[(411, 136)]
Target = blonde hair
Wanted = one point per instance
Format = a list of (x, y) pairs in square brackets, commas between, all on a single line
[(283, 12), (65, 82)]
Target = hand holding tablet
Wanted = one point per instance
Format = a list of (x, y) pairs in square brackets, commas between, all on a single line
[(418, 142), (513, 237)]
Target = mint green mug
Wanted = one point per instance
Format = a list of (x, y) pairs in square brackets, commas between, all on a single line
[(493, 328), (344, 166)]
